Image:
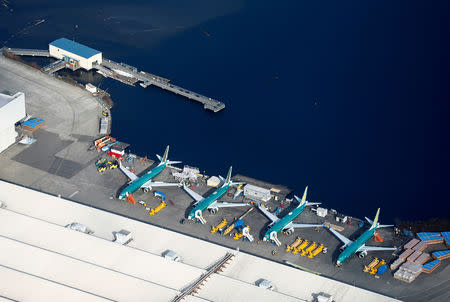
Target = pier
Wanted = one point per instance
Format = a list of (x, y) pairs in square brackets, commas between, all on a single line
[(28, 52), (120, 70), (126, 74)]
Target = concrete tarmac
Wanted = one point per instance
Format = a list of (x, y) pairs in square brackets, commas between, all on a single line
[(59, 163)]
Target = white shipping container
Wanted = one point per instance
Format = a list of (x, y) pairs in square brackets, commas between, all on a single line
[(321, 212), (256, 193)]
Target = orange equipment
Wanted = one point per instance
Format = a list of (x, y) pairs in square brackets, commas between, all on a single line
[(377, 237), (131, 199)]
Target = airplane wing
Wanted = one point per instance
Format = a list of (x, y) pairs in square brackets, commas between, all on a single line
[(197, 197), (341, 237), (150, 184), (302, 225), (376, 248), (269, 215), (127, 172), (227, 204)]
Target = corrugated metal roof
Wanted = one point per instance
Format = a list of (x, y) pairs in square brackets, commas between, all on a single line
[(141, 260), (74, 47)]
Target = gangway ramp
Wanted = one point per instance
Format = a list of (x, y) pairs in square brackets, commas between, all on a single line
[(28, 52)]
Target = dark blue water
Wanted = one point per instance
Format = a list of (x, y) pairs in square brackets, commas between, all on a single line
[(349, 98)]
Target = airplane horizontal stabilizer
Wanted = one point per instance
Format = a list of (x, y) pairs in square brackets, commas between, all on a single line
[(173, 162), (312, 203), (385, 225)]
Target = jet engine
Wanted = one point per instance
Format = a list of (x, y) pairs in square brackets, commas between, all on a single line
[(146, 189), (362, 254), (213, 210), (289, 231)]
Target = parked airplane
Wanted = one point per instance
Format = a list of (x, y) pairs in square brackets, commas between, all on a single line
[(211, 202), (285, 224), (146, 181), (358, 246)]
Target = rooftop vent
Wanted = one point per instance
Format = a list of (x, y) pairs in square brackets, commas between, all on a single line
[(171, 255), (266, 284), (79, 227), (122, 237)]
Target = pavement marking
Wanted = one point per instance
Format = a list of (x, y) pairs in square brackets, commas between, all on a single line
[(73, 194)]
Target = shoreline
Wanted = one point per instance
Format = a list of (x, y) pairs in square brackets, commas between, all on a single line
[(70, 173)]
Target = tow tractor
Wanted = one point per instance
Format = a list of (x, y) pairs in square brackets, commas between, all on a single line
[(113, 164), (101, 165)]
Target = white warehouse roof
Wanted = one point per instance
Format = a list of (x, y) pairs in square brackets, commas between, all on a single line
[(81, 267)]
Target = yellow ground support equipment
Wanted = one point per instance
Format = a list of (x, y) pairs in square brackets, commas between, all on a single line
[(300, 248), (113, 164), (316, 251), (161, 206), (220, 226), (374, 270), (309, 249), (101, 169), (229, 229), (293, 245), (371, 265), (238, 235)]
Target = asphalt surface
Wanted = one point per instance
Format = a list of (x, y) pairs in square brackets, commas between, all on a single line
[(59, 163)]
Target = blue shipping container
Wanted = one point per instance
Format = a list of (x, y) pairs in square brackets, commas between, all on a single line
[(382, 269), (407, 233), (160, 195)]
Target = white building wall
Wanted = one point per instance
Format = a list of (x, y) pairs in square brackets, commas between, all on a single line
[(59, 53), (10, 113), (7, 137)]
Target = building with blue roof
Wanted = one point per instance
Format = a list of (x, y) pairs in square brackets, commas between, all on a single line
[(75, 54)]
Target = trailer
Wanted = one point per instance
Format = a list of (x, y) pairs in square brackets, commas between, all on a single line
[(309, 249), (161, 206), (316, 251), (293, 245), (300, 247)]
